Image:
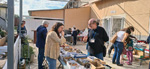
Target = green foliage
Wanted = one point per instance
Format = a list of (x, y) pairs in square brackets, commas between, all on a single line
[(25, 49), (2, 33)]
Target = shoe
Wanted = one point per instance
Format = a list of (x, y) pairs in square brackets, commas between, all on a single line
[(120, 64), (130, 64), (113, 62)]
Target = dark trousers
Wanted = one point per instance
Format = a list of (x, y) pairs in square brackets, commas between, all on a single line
[(110, 49), (118, 46), (40, 58), (74, 40)]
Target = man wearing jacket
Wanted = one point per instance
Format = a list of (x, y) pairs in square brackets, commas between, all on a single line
[(40, 43), (96, 38), (74, 34)]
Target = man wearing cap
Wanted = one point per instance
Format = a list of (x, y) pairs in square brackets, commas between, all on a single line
[(96, 38), (40, 42)]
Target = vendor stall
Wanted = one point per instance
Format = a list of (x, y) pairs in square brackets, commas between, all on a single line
[(69, 38), (71, 58), (142, 50)]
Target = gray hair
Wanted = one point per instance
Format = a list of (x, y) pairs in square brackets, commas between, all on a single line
[(45, 22)]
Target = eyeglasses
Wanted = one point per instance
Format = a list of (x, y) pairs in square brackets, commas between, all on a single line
[(90, 24)]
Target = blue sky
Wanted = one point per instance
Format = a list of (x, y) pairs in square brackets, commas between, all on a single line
[(38, 5)]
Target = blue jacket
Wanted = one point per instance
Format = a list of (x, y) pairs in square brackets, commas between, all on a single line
[(41, 36), (23, 30)]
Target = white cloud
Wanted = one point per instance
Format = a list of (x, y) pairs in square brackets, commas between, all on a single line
[(38, 5)]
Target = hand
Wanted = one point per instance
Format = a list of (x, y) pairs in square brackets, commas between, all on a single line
[(62, 33), (85, 38), (136, 39)]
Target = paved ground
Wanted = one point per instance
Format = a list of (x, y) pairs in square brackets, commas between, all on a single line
[(82, 46)]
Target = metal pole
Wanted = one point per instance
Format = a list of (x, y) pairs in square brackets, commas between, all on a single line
[(10, 58), (20, 19)]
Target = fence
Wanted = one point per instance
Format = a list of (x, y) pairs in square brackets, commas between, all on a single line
[(17, 53)]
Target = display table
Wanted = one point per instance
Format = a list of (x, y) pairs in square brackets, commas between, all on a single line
[(71, 58), (141, 47)]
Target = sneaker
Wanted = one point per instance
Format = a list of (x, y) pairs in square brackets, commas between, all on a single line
[(129, 63), (120, 64)]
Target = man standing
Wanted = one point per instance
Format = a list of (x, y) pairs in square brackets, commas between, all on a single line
[(74, 34), (23, 29), (40, 43), (96, 38)]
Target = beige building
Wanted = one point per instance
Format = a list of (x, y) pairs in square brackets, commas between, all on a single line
[(114, 15), (117, 14), (77, 17)]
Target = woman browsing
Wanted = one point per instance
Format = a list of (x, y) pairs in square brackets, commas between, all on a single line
[(119, 44), (53, 42)]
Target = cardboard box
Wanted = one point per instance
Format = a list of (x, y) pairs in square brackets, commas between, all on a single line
[(100, 61), (140, 53), (96, 65), (94, 59), (73, 64), (91, 58), (84, 62), (65, 59)]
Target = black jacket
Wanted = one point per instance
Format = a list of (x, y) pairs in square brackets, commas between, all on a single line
[(74, 34), (100, 37)]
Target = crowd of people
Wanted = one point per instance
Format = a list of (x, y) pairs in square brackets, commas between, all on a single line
[(97, 36), (49, 41)]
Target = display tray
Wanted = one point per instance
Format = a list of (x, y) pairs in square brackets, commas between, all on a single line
[(75, 59)]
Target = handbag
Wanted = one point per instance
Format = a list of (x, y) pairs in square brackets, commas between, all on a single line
[(113, 38)]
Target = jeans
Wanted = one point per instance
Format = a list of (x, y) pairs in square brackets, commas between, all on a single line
[(100, 55), (51, 63), (118, 46), (40, 58), (88, 54)]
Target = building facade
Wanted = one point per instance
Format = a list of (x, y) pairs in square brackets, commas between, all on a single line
[(114, 15), (77, 17), (3, 16), (118, 14)]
